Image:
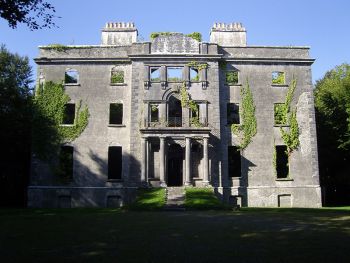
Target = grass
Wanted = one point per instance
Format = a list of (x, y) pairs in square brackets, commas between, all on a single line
[(112, 235), (202, 199), (149, 199)]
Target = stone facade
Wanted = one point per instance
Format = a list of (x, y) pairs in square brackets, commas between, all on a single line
[(168, 150)]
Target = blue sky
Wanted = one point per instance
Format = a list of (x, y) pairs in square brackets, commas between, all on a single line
[(322, 25)]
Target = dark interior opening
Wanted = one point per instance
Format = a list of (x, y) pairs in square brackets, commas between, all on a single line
[(282, 166), (69, 113), (115, 162), (234, 161), (116, 113), (175, 161)]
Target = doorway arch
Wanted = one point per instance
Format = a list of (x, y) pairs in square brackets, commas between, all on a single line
[(175, 163)]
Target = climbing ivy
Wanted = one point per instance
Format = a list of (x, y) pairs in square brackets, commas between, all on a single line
[(291, 137), (57, 47), (187, 102), (48, 134), (196, 65), (248, 128), (282, 110)]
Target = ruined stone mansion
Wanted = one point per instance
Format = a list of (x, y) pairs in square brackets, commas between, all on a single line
[(141, 134)]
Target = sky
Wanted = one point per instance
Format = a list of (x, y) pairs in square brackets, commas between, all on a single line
[(324, 25)]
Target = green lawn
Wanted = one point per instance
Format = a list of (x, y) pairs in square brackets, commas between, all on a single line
[(202, 199), (107, 235), (149, 199)]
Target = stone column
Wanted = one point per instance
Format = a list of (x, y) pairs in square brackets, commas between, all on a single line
[(205, 161), (188, 161), (162, 161), (144, 160)]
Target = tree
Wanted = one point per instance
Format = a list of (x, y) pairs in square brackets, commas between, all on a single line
[(28, 12), (15, 117), (332, 102)]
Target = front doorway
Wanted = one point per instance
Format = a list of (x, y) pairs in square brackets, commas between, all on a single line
[(175, 162)]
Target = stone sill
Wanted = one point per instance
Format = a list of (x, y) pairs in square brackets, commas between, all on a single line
[(284, 179), (67, 125), (153, 179), (197, 179), (281, 125), (115, 180), (280, 85), (118, 84), (236, 178), (116, 125), (71, 84)]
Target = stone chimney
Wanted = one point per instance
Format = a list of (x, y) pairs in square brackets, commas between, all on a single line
[(119, 33), (231, 35)]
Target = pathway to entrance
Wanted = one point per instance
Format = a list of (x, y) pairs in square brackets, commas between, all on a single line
[(175, 199)]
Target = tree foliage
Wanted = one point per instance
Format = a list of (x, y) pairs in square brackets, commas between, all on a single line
[(332, 102), (36, 14), (15, 116)]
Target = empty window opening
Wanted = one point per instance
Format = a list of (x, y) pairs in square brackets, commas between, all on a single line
[(231, 77), (71, 76), (115, 162), (278, 77), (116, 113), (174, 74), (280, 114), (66, 163), (282, 166), (117, 76), (285, 200), (174, 112), (154, 112), (194, 74), (234, 161), (69, 114), (155, 74), (233, 113)]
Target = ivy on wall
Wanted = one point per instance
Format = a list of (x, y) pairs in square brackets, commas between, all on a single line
[(48, 133), (196, 65), (187, 102), (288, 117), (247, 130)]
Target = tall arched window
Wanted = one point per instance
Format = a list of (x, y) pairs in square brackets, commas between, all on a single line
[(174, 112)]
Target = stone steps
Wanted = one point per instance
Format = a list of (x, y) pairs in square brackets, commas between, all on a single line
[(175, 199)]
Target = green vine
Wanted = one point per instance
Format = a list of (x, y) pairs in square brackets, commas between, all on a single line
[(198, 66), (282, 110), (117, 77), (187, 102), (291, 137), (248, 128), (48, 133)]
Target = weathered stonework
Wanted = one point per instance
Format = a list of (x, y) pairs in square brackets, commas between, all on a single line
[(172, 151)]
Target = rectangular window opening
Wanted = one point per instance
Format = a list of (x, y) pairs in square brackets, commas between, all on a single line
[(115, 162), (69, 114), (154, 112), (66, 163), (278, 77), (154, 74), (71, 76), (231, 77), (117, 76), (282, 165), (233, 113), (116, 113), (174, 74), (194, 74), (234, 161)]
